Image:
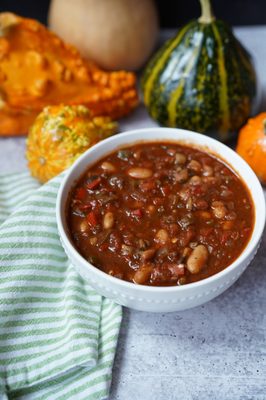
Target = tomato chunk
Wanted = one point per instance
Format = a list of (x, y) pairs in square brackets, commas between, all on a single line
[(92, 219)]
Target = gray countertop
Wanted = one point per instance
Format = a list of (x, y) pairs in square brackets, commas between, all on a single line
[(213, 352)]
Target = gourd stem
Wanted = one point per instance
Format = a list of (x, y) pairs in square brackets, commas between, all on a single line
[(264, 126), (206, 12)]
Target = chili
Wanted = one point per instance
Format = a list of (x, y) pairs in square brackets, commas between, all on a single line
[(160, 214)]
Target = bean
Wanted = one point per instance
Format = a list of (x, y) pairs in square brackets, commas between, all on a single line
[(93, 241), (204, 215), (226, 193), (181, 176), (200, 204), (147, 254), (137, 154), (126, 250), (194, 165), (231, 216), (180, 158), (108, 220), (140, 173), (189, 204), (162, 236), (228, 225), (143, 274), (219, 209), (195, 180), (211, 180), (83, 227), (197, 259), (186, 252), (207, 171), (151, 209), (182, 281), (108, 167)]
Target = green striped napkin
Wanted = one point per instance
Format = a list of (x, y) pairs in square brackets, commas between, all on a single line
[(57, 335)]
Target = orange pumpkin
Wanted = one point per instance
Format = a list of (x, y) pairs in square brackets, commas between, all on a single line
[(252, 145)]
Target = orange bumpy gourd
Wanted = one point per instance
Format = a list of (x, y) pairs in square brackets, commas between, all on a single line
[(38, 69), (252, 145)]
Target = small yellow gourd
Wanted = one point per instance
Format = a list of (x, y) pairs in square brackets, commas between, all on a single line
[(59, 135)]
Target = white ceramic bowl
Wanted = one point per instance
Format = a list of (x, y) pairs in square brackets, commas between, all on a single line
[(161, 299)]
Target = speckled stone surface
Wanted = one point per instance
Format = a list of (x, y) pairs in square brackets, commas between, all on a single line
[(213, 352)]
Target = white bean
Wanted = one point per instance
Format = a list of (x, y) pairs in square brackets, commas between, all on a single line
[(108, 220), (197, 259), (162, 236), (108, 167), (83, 226), (140, 173)]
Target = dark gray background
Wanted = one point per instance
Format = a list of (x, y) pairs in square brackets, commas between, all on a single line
[(172, 13)]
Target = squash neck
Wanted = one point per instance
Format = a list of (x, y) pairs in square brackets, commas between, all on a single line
[(207, 16)]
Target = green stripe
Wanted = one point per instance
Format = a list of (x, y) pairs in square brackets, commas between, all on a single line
[(70, 377), (50, 359), (31, 299), (32, 245), (161, 62), (224, 110), (40, 332), (37, 310), (47, 342), (49, 235)]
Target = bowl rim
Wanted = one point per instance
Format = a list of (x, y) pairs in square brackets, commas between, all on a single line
[(259, 220)]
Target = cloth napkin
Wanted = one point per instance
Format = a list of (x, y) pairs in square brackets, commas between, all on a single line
[(57, 335)]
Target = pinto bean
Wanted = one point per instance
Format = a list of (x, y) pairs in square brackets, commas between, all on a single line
[(180, 159), (139, 173), (219, 209), (200, 204), (108, 220), (197, 259), (228, 225), (142, 275), (207, 170), (195, 180), (194, 165), (147, 254), (181, 176)]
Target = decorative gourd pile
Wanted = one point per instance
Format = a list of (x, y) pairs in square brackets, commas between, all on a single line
[(38, 69), (202, 79), (59, 135)]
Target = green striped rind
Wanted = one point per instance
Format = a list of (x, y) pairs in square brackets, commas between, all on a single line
[(201, 80), (58, 336)]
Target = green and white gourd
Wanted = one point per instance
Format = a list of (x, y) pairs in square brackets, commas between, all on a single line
[(202, 79)]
